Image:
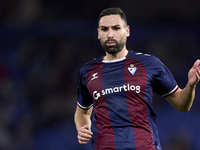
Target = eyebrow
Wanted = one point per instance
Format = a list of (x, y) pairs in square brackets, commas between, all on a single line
[(111, 26)]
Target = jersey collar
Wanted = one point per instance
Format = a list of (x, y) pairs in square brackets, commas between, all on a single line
[(112, 61)]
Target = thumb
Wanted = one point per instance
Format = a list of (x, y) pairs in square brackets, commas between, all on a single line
[(196, 64), (86, 127)]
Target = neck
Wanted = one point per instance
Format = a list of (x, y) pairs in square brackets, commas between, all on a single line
[(119, 55)]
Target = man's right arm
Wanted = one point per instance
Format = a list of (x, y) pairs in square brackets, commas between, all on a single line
[(83, 124)]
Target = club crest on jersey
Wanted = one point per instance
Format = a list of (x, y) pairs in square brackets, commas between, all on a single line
[(132, 69)]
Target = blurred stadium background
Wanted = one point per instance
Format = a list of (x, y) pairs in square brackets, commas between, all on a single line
[(43, 44)]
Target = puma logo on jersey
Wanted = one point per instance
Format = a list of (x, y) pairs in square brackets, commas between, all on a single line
[(94, 76)]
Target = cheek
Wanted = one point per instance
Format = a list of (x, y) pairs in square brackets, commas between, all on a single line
[(100, 36), (123, 35), (102, 42)]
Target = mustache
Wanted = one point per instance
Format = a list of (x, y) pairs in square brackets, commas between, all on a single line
[(110, 40)]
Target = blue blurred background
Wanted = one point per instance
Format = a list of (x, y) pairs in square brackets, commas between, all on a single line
[(43, 44)]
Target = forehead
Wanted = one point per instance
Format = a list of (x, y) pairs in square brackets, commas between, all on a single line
[(111, 20)]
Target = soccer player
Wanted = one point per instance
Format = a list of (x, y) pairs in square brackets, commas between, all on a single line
[(118, 89)]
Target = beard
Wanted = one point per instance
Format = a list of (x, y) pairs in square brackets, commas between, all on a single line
[(113, 49)]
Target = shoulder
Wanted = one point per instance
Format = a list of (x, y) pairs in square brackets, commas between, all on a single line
[(87, 66), (146, 59)]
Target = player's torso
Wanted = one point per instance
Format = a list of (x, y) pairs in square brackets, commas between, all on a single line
[(121, 91), (117, 77), (119, 88)]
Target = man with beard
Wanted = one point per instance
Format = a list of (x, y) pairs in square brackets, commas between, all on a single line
[(119, 87)]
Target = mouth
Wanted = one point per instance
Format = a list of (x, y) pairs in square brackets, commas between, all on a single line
[(110, 43)]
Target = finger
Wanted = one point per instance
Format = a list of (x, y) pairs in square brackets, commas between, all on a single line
[(86, 130), (196, 64), (198, 73), (85, 135), (83, 140), (86, 127)]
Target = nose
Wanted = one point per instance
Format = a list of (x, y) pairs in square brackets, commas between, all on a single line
[(110, 33)]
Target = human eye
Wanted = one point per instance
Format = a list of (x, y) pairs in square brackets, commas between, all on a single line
[(116, 28), (104, 29)]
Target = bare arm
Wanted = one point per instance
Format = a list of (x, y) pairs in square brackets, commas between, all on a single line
[(83, 124), (182, 99)]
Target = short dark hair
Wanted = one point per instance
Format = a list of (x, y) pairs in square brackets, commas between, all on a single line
[(113, 11)]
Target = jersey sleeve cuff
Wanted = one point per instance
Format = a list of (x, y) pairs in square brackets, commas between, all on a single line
[(172, 91), (82, 107)]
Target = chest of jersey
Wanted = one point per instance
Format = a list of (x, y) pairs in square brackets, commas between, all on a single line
[(116, 80)]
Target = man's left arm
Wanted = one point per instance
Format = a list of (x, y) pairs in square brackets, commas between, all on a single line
[(182, 99)]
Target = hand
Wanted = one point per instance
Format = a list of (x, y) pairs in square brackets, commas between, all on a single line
[(84, 135), (194, 74)]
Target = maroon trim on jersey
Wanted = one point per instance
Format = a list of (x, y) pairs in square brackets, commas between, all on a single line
[(105, 134), (137, 106)]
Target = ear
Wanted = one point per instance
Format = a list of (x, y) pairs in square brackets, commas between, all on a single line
[(98, 32), (127, 31)]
